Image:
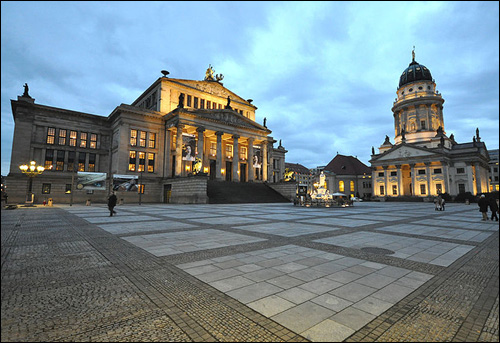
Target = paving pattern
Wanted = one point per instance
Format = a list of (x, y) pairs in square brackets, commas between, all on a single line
[(249, 272)]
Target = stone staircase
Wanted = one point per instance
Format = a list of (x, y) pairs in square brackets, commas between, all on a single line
[(227, 192)]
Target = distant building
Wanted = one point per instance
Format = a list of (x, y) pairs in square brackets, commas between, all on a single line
[(176, 136), (424, 161), (348, 175), (301, 174), (493, 170)]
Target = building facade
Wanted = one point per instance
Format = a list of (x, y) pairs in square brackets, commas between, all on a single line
[(348, 175), (175, 137), (424, 161), (494, 173)]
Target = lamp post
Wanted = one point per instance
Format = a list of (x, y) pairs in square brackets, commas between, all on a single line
[(31, 171)]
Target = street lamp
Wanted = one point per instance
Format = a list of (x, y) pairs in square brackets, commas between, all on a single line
[(31, 171)]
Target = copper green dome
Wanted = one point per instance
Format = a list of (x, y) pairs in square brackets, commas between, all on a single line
[(415, 72)]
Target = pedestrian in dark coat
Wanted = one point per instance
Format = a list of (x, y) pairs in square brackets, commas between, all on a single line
[(112, 203), (483, 206), (493, 208)]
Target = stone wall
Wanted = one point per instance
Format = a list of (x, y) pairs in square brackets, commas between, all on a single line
[(189, 190), (287, 189)]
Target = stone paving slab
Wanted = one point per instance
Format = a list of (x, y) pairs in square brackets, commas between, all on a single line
[(249, 272)]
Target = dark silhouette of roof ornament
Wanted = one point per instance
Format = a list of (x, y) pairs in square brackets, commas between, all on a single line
[(228, 107), (26, 89), (165, 73)]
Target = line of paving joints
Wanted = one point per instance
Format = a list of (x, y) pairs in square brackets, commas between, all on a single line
[(142, 282)]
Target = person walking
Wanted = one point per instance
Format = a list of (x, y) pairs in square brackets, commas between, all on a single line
[(112, 203), (493, 208), (483, 206)]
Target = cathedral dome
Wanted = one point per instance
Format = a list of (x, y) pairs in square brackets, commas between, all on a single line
[(415, 72)]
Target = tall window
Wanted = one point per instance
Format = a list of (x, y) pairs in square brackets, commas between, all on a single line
[(422, 124), (195, 102), (62, 137), (202, 103), (49, 157), (73, 135), (229, 151), (341, 186), (394, 190), (152, 140), (60, 160), (209, 104), (71, 161), (81, 161), (133, 137), (243, 152), (142, 160), (422, 189), (188, 102), (93, 141), (92, 162), (151, 162), (132, 160), (382, 191), (83, 139), (51, 135), (142, 139), (213, 148), (439, 188), (461, 188), (352, 186)]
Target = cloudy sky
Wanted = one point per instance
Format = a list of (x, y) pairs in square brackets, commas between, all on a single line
[(324, 74)]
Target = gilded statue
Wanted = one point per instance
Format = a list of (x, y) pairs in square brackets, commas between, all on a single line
[(209, 74)]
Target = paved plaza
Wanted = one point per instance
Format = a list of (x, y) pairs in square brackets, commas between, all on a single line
[(389, 271)]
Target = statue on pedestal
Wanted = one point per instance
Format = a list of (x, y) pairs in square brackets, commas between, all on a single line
[(26, 89)]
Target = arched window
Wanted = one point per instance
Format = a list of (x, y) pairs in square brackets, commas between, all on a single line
[(341, 186), (352, 186)]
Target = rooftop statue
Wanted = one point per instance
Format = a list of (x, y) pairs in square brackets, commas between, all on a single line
[(26, 89), (209, 74)]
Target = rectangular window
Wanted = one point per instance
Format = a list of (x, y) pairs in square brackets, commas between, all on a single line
[(73, 135), (422, 124), (195, 102), (68, 188), (352, 186), (62, 137), (382, 190), (142, 161), (51, 135), (422, 189), (341, 186), (60, 160), (202, 103), (132, 160), (243, 153), (381, 174), (393, 173), (141, 188), (49, 158), (46, 188), (92, 162), (93, 141), (83, 139), (460, 170), (133, 137), (394, 190), (220, 106), (71, 161), (213, 149), (152, 140), (209, 104), (229, 151), (437, 171), (151, 162), (142, 139), (81, 161), (439, 188), (461, 188), (188, 103), (421, 172)]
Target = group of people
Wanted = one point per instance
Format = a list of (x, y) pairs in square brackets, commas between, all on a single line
[(485, 203), (439, 202)]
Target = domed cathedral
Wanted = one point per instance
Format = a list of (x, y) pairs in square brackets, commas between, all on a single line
[(424, 161)]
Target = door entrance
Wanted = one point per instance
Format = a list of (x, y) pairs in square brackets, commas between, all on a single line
[(229, 171), (243, 172), (213, 165), (167, 192)]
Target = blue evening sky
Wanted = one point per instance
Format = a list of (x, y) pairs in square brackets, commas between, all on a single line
[(324, 74)]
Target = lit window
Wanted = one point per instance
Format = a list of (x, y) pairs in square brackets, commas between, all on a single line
[(49, 156), (151, 162), (60, 160), (142, 161), (51, 135), (213, 149), (133, 137), (132, 160), (62, 137), (439, 188), (243, 152), (422, 189), (341, 186), (352, 186), (142, 139), (46, 188), (229, 151), (394, 190), (83, 139), (91, 162), (81, 161), (382, 190), (73, 135), (152, 140), (93, 141)]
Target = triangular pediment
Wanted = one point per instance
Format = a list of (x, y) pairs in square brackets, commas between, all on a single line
[(403, 151)]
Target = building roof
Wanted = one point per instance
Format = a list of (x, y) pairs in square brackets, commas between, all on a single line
[(296, 167), (347, 165), (415, 72)]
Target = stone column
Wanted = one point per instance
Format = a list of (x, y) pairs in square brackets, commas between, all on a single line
[(218, 167), (446, 176), (428, 174), (250, 169), (178, 151), (385, 181), (200, 145), (412, 171), (400, 180), (167, 168), (264, 161), (478, 178), (236, 159)]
